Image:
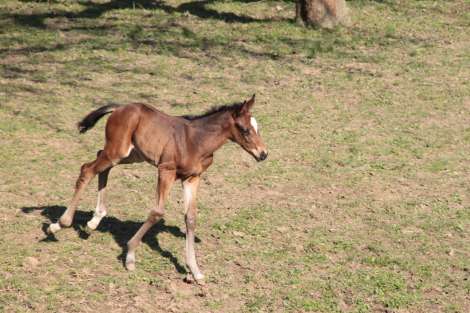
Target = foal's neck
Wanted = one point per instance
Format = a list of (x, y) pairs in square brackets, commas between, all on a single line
[(211, 132)]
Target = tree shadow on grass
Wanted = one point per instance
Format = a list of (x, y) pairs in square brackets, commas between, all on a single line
[(121, 231), (165, 39), (171, 37), (95, 10), (200, 9)]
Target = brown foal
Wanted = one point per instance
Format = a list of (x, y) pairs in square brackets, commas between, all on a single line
[(181, 147)]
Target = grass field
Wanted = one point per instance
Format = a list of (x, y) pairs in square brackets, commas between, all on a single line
[(362, 206)]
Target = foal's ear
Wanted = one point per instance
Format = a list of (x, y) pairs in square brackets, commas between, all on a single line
[(247, 105)]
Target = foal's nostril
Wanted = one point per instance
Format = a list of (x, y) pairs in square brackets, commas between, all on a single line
[(263, 156)]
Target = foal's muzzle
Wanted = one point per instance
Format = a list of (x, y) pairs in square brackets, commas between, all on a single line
[(262, 156)]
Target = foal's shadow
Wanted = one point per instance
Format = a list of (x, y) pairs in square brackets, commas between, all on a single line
[(121, 231)]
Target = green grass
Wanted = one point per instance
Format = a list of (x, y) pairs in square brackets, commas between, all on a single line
[(362, 206)]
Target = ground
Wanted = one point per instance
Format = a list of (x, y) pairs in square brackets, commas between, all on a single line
[(362, 206)]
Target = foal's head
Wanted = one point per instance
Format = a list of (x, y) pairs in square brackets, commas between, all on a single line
[(244, 131)]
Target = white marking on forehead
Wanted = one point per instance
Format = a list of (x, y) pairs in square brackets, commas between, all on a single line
[(254, 124)]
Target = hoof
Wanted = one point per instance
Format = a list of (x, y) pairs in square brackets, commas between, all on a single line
[(130, 262), (53, 228), (95, 221), (91, 225), (130, 266), (64, 222), (198, 279)]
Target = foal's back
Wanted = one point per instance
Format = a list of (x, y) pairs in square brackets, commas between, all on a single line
[(149, 131)]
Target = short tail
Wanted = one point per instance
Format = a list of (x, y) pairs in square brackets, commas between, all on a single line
[(90, 120)]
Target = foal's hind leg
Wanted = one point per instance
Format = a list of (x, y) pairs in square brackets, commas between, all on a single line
[(100, 210), (87, 172)]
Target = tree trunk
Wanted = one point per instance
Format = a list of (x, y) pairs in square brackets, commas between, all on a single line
[(322, 13)]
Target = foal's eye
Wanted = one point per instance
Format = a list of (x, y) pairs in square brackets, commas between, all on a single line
[(244, 131)]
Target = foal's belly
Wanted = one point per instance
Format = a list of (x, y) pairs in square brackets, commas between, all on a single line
[(134, 157)]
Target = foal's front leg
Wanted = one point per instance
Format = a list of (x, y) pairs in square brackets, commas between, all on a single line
[(165, 181), (190, 187)]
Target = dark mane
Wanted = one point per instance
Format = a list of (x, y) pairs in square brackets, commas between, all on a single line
[(214, 110)]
